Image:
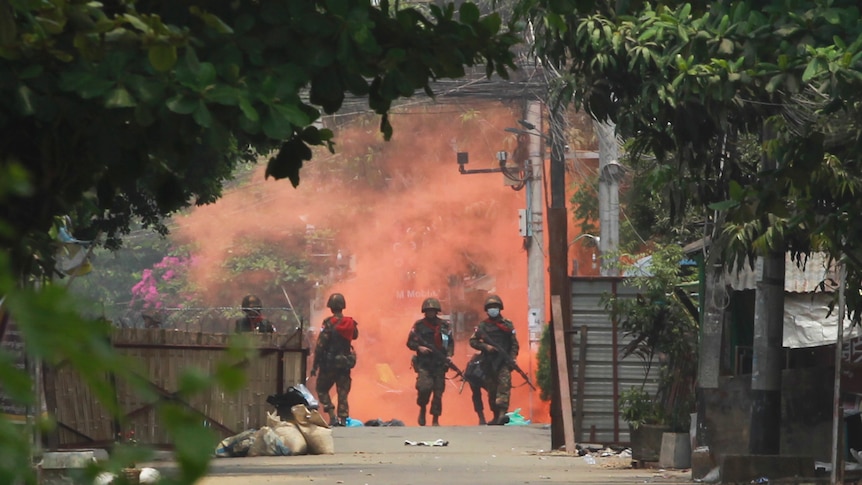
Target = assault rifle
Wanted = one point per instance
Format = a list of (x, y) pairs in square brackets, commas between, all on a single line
[(505, 355), (439, 353)]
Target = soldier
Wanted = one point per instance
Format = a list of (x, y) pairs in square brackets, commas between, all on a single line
[(431, 339), (474, 376), (493, 335), (334, 356), (253, 320)]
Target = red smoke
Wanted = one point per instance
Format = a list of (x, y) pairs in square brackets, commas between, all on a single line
[(409, 220)]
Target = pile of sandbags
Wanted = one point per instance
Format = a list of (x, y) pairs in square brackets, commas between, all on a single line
[(317, 434), (305, 432)]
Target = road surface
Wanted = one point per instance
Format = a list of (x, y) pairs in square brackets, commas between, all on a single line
[(497, 455)]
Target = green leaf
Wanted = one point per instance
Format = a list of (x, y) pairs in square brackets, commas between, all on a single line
[(182, 105), (202, 115), (119, 98), (162, 57), (137, 23), (193, 380), (293, 113), (724, 205), (211, 21), (276, 125), (248, 110), (813, 69), (206, 74), (223, 94), (469, 13), (231, 377)]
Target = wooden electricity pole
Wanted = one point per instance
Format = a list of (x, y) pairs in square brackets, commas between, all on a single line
[(558, 256)]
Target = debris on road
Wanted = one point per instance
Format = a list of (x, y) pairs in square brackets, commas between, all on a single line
[(426, 443)]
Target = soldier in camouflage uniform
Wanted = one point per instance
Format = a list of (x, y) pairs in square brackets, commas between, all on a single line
[(253, 320), (334, 357), (431, 339), (498, 373)]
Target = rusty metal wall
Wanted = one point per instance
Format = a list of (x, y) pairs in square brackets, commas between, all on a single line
[(599, 373), (160, 356)]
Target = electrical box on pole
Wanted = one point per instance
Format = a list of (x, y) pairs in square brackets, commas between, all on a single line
[(523, 223)]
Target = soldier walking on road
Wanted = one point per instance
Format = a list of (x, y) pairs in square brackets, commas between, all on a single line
[(431, 339), (493, 335), (334, 356)]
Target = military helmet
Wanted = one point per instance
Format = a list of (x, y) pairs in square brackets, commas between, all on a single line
[(251, 302), (493, 300), (336, 302), (431, 304)]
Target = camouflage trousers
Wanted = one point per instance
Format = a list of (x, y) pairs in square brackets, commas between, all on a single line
[(476, 392), (499, 386), (430, 384), (340, 378)]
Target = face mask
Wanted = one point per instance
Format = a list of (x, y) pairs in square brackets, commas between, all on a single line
[(493, 312)]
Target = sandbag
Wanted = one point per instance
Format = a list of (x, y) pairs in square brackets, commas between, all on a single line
[(236, 445), (268, 443), (318, 438), (273, 420), (317, 434), (275, 445), (292, 438), (258, 446), (302, 415)]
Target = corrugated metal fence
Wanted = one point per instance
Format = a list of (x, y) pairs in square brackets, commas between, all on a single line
[(599, 372)]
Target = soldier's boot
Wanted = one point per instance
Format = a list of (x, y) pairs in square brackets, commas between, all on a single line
[(435, 420), (501, 416), (482, 419), (333, 418), (421, 419)]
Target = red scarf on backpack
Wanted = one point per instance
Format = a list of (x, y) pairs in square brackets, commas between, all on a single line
[(346, 326)]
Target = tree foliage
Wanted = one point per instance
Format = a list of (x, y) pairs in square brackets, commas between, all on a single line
[(686, 80), (663, 332), (137, 109), (127, 111)]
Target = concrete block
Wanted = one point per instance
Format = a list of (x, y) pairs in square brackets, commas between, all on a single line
[(675, 450), (702, 462), (744, 468), (61, 467)]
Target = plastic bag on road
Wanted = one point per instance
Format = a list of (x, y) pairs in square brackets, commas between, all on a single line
[(515, 418)]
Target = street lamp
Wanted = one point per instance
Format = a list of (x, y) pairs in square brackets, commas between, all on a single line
[(594, 258), (594, 238), (463, 158)]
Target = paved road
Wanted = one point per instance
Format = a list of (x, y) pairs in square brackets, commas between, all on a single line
[(498, 455)]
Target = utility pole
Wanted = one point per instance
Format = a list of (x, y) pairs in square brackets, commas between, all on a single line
[(610, 172), (558, 261), (766, 363), (535, 231)]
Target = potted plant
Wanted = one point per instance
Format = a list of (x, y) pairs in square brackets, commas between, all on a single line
[(662, 326), (646, 423)]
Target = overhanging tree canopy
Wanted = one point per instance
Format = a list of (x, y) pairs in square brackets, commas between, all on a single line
[(685, 79), (138, 109)]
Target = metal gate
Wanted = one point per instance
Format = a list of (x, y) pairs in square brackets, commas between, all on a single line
[(599, 373)]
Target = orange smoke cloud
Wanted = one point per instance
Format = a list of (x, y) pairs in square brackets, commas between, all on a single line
[(409, 222)]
